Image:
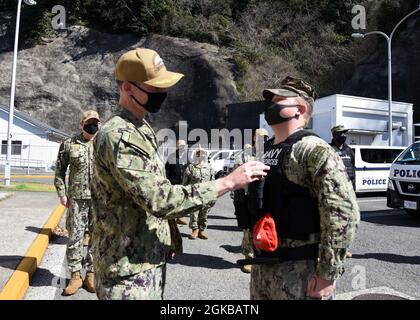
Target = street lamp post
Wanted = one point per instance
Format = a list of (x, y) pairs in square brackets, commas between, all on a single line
[(389, 42), (7, 167)]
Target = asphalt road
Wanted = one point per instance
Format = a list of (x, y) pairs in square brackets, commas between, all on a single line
[(387, 250), (386, 259)]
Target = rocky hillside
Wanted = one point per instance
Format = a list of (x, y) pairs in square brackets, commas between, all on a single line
[(60, 77), (236, 49)]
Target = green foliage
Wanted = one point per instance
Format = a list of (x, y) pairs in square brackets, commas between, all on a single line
[(36, 21), (33, 187)]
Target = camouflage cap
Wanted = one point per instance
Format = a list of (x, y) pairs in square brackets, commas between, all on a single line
[(261, 132), (145, 65), (292, 87), (89, 114), (339, 128)]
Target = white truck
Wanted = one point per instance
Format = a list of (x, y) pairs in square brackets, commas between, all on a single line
[(367, 121)]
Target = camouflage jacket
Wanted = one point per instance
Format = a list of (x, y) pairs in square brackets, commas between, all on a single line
[(135, 206), (195, 173), (76, 154), (313, 164)]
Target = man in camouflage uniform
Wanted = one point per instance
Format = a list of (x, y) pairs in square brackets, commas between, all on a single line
[(311, 166), (76, 154), (338, 142), (240, 199), (135, 206), (199, 171)]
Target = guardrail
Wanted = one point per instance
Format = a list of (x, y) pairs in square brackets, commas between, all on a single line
[(23, 163)]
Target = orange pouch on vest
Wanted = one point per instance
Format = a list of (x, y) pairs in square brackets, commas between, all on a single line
[(265, 234)]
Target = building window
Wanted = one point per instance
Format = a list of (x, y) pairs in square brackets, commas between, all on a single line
[(16, 147), (4, 147)]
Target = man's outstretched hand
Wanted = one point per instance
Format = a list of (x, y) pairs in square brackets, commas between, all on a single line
[(242, 176)]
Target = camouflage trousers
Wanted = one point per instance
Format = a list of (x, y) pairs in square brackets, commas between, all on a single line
[(147, 285), (247, 246), (79, 219), (198, 219), (283, 281)]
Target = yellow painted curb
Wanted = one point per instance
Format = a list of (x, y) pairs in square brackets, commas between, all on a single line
[(18, 283), (29, 177)]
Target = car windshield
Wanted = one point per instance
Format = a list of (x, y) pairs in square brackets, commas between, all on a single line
[(212, 154), (411, 154)]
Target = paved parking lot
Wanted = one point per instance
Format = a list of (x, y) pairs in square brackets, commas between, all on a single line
[(386, 260)]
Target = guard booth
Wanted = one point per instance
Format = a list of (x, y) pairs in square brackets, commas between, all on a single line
[(366, 119)]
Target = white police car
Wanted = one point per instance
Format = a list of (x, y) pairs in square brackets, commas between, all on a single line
[(221, 161), (372, 165), (404, 181)]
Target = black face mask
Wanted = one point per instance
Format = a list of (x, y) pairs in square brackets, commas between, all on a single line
[(91, 128), (341, 139), (272, 114), (154, 101)]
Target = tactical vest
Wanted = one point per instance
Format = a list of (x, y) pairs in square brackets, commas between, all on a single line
[(294, 210)]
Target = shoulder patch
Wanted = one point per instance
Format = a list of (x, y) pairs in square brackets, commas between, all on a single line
[(136, 141)]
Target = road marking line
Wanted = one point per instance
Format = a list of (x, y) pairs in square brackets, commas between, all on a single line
[(371, 200), (18, 283)]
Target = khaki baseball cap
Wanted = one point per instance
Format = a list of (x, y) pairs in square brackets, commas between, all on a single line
[(339, 128), (145, 65), (292, 87), (90, 114)]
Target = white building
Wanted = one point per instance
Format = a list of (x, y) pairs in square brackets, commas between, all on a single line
[(366, 119), (34, 144)]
